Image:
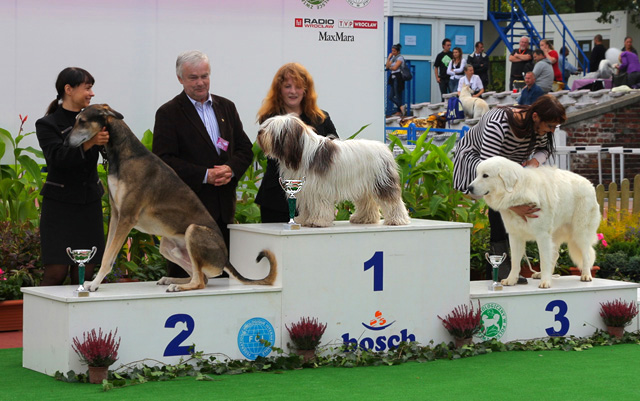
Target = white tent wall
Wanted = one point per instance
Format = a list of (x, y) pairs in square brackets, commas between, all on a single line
[(130, 47)]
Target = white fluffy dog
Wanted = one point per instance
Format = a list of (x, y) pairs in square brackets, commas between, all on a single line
[(569, 213), (474, 107), (359, 170)]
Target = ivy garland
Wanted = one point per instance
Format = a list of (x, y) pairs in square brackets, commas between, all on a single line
[(205, 366)]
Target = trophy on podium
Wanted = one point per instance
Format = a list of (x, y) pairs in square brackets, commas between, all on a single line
[(495, 261), (291, 187), (81, 256)]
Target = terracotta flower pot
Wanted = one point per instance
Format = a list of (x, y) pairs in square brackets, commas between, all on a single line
[(11, 315), (459, 342), (616, 332), (97, 374), (575, 271), (306, 354)]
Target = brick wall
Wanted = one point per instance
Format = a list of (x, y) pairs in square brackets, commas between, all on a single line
[(619, 127)]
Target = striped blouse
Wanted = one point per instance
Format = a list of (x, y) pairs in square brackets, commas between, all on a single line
[(492, 136)]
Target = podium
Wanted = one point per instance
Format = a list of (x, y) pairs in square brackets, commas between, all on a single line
[(373, 285)]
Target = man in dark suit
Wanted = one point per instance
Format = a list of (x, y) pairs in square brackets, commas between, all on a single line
[(200, 136)]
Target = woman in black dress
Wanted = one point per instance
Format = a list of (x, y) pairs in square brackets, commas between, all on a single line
[(71, 214), (292, 91)]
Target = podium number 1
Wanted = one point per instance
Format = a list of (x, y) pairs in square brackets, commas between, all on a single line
[(376, 263)]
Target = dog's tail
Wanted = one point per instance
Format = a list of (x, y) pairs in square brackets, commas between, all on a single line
[(271, 277)]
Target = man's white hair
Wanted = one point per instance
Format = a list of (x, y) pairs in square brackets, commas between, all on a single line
[(191, 57)]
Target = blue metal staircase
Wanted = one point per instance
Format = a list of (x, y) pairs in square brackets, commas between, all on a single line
[(515, 23)]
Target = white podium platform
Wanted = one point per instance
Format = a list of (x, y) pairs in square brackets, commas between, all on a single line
[(373, 285), (569, 307), (151, 322), (346, 274)]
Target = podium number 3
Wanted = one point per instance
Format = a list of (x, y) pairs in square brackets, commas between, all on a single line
[(174, 348), (376, 263), (560, 316)]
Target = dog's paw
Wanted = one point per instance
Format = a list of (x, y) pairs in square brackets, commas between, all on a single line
[(164, 281), (317, 224), (173, 288), (545, 284), (536, 275), (91, 286), (509, 281), (586, 277)]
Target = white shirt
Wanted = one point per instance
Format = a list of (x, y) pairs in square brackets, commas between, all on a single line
[(475, 83), (208, 117)]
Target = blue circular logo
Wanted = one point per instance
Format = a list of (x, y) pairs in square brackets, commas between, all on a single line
[(250, 334)]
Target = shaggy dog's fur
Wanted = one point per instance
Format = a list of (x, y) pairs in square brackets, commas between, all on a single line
[(474, 107), (358, 170), (569, 213)]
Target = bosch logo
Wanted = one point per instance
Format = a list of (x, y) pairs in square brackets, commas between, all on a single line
[(379, 343)]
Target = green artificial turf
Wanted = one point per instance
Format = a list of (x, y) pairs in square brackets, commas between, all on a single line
[(601, 373)]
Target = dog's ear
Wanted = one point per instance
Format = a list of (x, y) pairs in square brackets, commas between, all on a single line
[(509, 177), (293, 145), (107, 111)]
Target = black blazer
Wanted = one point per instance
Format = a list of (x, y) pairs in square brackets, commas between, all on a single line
[(72, 174), (181, 140), (270, 194)]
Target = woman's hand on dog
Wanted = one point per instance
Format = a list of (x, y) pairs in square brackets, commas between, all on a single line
[(100, 139), (525, 211)]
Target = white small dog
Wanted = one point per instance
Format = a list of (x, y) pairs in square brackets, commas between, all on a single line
[(359, 170), (474, 107), (569, 213)]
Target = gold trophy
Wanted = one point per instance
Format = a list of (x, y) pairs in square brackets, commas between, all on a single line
[(81, 256), (291, 187)]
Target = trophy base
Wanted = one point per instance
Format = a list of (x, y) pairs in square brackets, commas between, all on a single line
[(80, 293), (291, 226), (495, 286)]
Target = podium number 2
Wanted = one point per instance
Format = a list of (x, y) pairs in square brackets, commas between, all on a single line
[(174, 348), (376, 263), (560, 316)]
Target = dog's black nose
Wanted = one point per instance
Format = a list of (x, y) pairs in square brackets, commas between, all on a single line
[(470, 188)]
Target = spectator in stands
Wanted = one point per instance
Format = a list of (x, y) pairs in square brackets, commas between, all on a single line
[(480, 62), (455, 70), (565, 65), (628, 45), (543, 71), (395, 81), (521, 61), (597, 53), (629, 70), (551, 55), (472, 81), (531, 92), (440, 66)]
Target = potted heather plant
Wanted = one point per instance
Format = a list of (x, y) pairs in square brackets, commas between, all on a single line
[(305, 336), (463, 323), (97, 351), (617, 314)]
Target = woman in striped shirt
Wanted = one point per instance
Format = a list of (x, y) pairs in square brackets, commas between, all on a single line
[(523, 134)]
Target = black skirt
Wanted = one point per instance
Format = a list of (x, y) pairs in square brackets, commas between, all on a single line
[(77, 226)]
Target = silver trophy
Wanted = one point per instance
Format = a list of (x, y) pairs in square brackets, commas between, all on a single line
[(81, 256), (291, 187), (495, 261)]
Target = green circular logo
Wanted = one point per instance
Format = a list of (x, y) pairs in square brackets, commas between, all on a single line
[(494, 321), (315, 4)]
